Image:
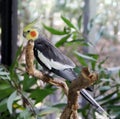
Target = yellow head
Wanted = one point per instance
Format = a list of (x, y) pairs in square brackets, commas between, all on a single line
[(30, 32)]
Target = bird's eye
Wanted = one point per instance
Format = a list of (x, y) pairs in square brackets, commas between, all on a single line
[(28, 31)]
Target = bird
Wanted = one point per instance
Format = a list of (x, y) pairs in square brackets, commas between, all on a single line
[(53, 60)]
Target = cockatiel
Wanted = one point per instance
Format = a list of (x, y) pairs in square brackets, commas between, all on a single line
[(53, 60)]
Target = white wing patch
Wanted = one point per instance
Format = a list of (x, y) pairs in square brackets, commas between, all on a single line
[(50, 63)]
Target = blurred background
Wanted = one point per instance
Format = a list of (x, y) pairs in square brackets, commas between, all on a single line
[(88, 31)]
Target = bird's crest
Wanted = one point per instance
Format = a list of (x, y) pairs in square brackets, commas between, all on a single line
[(30, 32), (32, 24)]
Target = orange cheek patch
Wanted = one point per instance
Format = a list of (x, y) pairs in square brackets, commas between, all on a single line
[(33, 33)]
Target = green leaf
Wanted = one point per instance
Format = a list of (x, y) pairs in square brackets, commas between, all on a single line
[(40, 94), (5, 92), (60, 105), (82, 61), (93, 63), (95, 56), (104, 88), (62, 41), (4, 85), (48, 110), (3, 106), (68, 22), (11, 100), (85, 56), (54, 31), (80, 21), (25, 114), (114, 107), (28, 82), (105, 80), (77, 41), (2, 73), (112, 101), (108, 97)]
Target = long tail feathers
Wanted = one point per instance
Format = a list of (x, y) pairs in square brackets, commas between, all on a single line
[(89, 98)]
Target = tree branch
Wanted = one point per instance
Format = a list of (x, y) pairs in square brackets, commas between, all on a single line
[(84, 80)]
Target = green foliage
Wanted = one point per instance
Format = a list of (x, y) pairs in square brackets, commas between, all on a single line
[(18, 91), (68, 22), (62, 41), (49, 110), (54, 31), (42, 92), (10, 101), (107, 86)]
